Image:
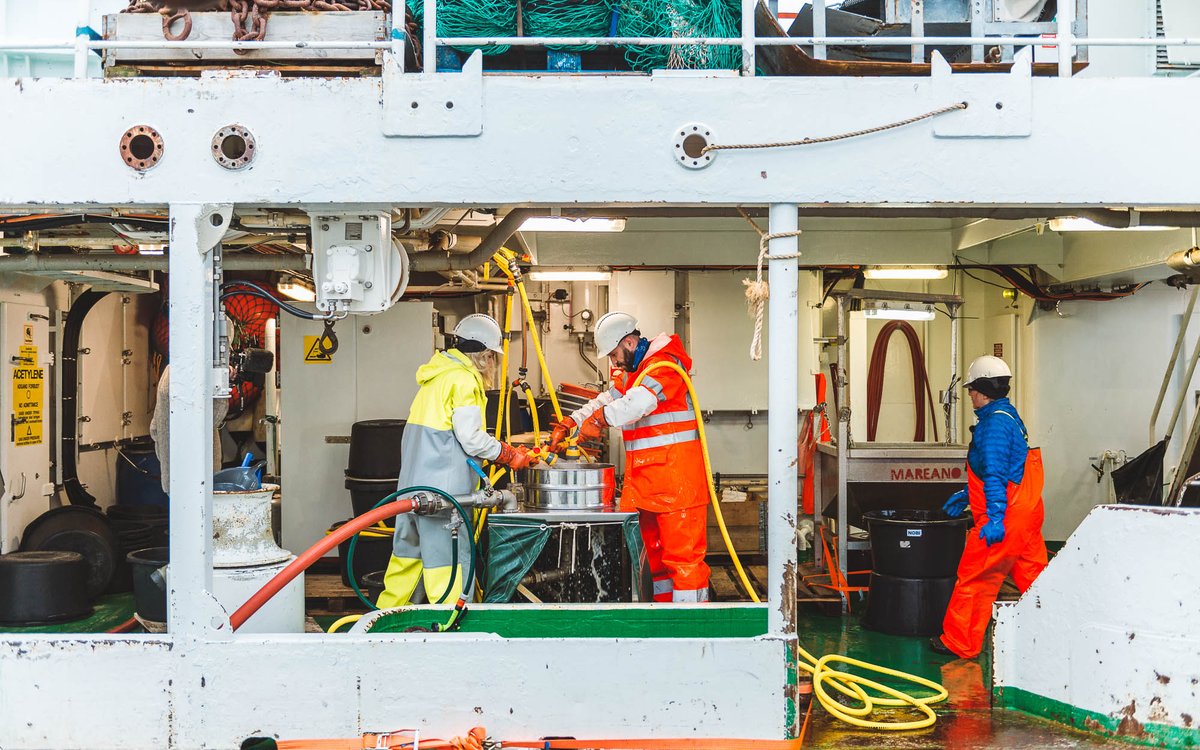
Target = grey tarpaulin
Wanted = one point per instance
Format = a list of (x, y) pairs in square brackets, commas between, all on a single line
[(514, 545)]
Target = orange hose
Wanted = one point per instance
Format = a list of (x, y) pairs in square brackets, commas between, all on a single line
[(123, 627), (314, 553), (478, 735)]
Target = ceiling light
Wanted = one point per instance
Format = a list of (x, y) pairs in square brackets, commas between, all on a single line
[(563, 224), (569, 275), (1079, 224), (905, 272), (899, 311), (153, 248), (297, 289)]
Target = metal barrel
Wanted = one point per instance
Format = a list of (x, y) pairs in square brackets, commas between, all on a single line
[(570, 485)]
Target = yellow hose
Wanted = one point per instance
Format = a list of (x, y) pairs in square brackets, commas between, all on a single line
[(708, 472), (849, 685), (344, 621)]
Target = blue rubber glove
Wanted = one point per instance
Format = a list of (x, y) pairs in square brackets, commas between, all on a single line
[(992, 531), (956, 505)]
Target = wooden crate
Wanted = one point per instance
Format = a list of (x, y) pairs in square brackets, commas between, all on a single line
[(325, 594), (744, 520)]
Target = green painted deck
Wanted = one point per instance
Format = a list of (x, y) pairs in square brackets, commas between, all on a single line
[(108, 612)]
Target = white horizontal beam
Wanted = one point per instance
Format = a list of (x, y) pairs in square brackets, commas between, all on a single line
[(608, 41), (573, 139), (725, 687)]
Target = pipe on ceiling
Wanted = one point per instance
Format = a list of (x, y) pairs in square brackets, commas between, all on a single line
[(32, 263), (1133, 218), (500, 234)]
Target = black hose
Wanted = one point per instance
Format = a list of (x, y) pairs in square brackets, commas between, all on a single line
[(69, 439)]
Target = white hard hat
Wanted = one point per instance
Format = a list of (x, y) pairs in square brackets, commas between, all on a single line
[(481, 328), (611, 328), (987, 367)]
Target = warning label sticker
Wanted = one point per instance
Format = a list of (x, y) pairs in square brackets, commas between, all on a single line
[(312, 352), (28, 379)]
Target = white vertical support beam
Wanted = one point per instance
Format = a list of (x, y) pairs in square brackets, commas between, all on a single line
[(978, 8), (1066, 36), (429, 43), (918, 29), (952, 396), (398, 34), (843, 433), (748, 34), (783, 405), (82, 38), (818, 9), (191, 609)]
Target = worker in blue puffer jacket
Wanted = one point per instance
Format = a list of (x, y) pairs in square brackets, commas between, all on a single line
[(1004, 495)]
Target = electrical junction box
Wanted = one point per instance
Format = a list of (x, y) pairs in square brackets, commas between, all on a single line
[(357, 266)]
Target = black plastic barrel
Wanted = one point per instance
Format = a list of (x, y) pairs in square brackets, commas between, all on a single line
[(364, 493), (38, 588), (375, 449), (907, 606), (371, 554), (916, 543), (131, 536), (149, 590)]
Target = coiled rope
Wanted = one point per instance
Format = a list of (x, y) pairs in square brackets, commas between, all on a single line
[(758, 291)]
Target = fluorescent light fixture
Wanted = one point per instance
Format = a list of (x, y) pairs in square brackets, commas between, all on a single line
[(905, 272), (563, 224), (884, 310), (1078, 224), (153, 248), (569, 275), (297, 289)]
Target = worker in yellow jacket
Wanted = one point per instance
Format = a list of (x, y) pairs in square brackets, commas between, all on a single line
[(444, 428)]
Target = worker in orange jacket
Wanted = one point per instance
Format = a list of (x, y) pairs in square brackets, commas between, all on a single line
[(665, 478), (1004, 496)]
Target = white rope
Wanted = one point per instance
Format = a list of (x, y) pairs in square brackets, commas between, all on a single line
[(758, 291)]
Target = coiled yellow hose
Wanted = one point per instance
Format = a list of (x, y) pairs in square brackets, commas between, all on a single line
[(348, 619), (824, 677)]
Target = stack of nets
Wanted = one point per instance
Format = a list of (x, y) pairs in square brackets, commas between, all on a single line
[(680, 18), (549, 18), (471, 18), (644, 18)]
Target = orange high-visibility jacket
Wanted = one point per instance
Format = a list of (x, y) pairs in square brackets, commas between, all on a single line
[(664, 464)]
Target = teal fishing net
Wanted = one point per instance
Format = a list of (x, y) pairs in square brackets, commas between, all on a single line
[(471, 18), (549, 18), (680, 18), (642, 18)]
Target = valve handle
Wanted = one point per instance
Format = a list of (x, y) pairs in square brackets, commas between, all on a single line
[(475, 467)]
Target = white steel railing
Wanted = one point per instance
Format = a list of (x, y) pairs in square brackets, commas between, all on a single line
[(1065, 41)]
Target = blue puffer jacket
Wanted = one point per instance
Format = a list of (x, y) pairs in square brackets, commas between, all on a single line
[(998, 450)]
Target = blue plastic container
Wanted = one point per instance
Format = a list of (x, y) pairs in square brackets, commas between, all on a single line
[(139, 480)]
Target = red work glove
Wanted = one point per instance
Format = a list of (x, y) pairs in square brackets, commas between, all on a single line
[(593, 426), (515, 458), (562, 431)]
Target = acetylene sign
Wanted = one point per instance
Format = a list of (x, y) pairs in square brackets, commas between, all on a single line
[(28, 381)]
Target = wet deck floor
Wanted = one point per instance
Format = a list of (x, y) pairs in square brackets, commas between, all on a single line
[(965, 722)]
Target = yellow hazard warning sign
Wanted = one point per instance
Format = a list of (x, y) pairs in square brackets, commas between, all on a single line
[(312, 352), (28, 379), (27, 337)]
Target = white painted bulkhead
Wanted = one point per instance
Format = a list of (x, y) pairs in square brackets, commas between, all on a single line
[(199, 673)]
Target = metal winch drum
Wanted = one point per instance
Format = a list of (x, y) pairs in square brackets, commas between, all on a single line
[(570, 485)]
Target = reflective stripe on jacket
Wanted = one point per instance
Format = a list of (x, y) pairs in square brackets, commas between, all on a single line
[(664, 464)]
